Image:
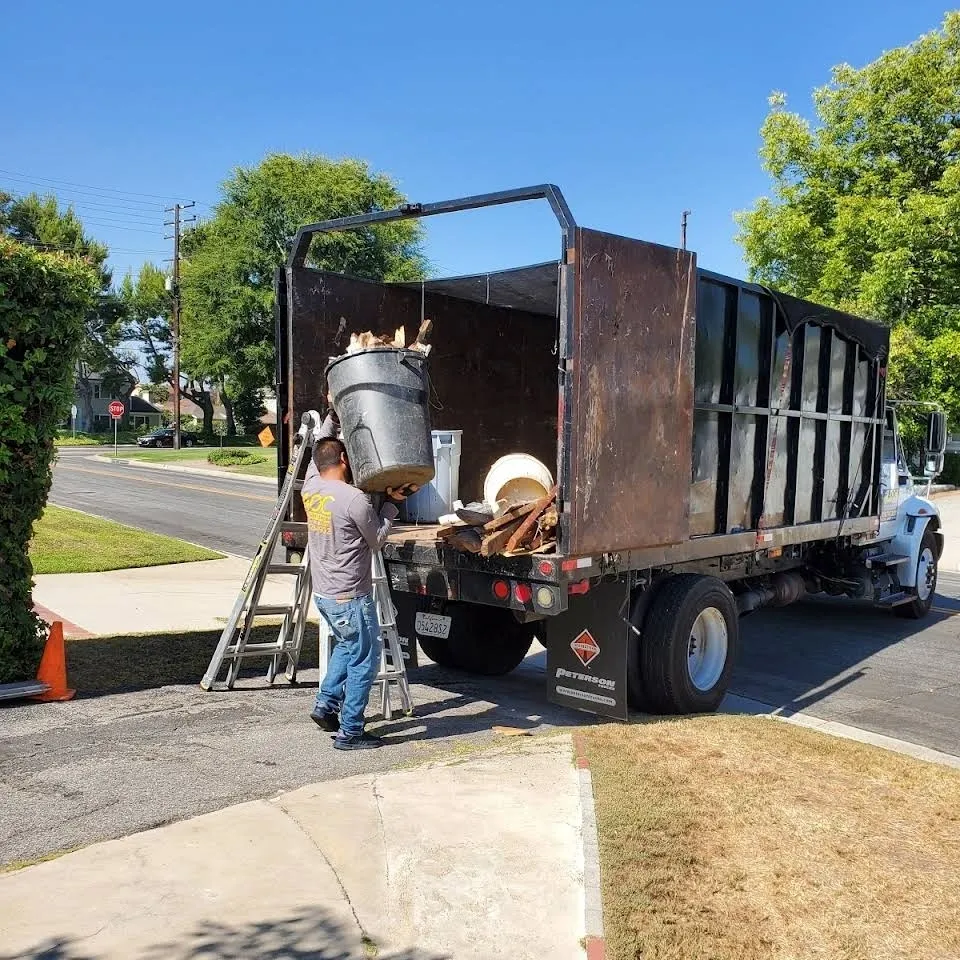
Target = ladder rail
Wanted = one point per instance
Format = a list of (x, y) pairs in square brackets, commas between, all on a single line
[(230, 646)]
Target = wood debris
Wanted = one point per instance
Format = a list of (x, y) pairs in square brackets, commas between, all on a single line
[(392, 341), (522, 529)]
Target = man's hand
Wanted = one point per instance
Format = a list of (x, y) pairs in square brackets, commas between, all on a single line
[(399, 494)]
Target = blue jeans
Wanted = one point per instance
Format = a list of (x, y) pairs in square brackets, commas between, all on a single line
[(354, 661)]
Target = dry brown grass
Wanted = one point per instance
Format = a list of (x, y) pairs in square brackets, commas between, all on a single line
[(742, 837)]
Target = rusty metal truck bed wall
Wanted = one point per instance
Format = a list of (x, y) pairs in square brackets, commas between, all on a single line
[(493, 370), (631, 383)]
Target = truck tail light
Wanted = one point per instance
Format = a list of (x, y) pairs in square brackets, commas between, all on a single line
[(501, 590), (523, 592), (545, 598), (287, 538), (546, 568)]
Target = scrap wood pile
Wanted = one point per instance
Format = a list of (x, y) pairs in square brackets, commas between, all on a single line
[(391, 341), (522, 528)]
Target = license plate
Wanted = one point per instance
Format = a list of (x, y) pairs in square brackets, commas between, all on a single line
[(433, 625)]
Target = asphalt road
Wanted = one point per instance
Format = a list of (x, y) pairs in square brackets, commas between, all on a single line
[(219, 512), (106, 766)]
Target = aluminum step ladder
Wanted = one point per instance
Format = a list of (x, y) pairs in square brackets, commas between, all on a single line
[(234, 645), (392, 668)]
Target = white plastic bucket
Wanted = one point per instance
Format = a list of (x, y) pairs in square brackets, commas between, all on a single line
[(436, 498), (515, 478)]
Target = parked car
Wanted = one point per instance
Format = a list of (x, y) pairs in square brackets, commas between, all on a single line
[(164, 438)]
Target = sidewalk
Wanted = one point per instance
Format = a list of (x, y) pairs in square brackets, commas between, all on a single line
[(180, 596), (477, 858), (202, 471)]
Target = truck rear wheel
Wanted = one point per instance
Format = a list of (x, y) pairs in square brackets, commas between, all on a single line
[(484, 640), (690, 637), (919, 607)]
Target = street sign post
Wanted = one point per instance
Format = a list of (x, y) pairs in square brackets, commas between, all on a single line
[(116, 411)]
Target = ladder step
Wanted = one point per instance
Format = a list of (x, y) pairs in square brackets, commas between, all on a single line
[(267, 610), (293, 526), (257, 650), (895, 599), (888, 560), (284, 568)]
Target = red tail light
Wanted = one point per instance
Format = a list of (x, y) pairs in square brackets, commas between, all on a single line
[(501, 590), (523, 592)]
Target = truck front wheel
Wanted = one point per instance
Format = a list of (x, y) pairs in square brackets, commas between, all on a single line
[(689, 644), (484, 640), (926, 587)]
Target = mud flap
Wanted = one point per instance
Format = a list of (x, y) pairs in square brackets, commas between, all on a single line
[(587, 652)]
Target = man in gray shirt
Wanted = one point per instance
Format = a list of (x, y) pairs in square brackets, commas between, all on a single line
[(343, 529)]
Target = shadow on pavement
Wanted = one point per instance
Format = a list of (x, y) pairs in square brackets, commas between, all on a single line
[(302, 936), (839, 650)]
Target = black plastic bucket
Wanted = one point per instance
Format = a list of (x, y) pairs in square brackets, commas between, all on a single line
[(382, 398)]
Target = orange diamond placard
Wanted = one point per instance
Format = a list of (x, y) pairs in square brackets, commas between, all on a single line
[(265, 436), (585, 647)]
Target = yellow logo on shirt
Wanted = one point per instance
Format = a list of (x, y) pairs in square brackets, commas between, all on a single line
[(319, 517)]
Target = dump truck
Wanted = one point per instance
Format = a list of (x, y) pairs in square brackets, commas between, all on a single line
[(719, 447)]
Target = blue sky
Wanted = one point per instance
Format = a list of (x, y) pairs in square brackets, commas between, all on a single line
[(636, 110)]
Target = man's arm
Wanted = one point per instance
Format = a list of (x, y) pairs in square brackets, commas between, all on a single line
[(374, 529), (329, 430)]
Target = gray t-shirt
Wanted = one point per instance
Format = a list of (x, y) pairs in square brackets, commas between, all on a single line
[(343, 529)]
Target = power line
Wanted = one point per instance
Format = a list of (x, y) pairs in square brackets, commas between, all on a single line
[(102, 207), (78, 248), (114, 226), (87, 186), (70, 194)]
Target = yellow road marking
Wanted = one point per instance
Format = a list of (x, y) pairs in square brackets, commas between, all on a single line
[(167, 483)]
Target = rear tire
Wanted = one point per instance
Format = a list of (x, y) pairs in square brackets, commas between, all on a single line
[(690, 638), (926, 587), (484, 640)]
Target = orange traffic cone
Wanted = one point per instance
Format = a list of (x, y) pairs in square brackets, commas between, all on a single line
[(53, 666)]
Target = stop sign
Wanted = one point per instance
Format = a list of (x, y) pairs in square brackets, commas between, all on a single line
[(116, 409)]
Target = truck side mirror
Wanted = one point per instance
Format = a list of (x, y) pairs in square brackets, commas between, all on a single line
[(933, 465), (936, 434)]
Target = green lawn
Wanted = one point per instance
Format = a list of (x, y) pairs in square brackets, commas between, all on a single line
[(198, 456), (65, 541)]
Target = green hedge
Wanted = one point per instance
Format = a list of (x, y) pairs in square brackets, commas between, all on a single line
[(44, 299), (235, 458)]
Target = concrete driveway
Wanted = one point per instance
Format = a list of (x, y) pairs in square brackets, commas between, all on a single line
[(445, 860)]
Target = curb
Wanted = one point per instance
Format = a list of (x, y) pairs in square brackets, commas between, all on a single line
[(172, 468), (594, 942), (744, 705), (71, 631)]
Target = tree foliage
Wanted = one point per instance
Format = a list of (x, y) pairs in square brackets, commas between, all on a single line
[(230, 259), (45, 302), (865, 208), (40, 223)]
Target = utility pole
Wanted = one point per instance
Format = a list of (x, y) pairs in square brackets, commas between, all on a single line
[(683, 228), (177, 223)]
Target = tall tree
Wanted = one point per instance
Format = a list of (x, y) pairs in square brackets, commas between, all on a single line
[(39, 222), (866, 201), (148, 305), (230, 259)]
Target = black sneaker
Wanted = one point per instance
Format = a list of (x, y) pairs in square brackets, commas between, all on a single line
[(327, 719), (365, 741)]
